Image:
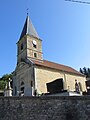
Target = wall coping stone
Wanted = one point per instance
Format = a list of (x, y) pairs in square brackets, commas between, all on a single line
[(50, 97)]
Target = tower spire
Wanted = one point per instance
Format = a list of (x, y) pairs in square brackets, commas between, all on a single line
[(29, 28)]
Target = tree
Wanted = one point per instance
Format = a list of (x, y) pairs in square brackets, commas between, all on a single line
[(81, 71), (6, 77), (88, 72), (85, 71), (3, 80), (2, 84)]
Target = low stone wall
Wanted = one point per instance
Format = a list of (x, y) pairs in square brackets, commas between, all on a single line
[(45, 108)]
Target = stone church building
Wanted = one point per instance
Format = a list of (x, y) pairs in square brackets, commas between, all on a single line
[(34, 75)]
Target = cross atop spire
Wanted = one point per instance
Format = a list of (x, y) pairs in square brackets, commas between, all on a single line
[(28, 28), (27, 11)]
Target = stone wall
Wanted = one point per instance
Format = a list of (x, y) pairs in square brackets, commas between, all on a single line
[(45, 108)]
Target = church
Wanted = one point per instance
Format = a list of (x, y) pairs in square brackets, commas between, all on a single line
[(34, 75)]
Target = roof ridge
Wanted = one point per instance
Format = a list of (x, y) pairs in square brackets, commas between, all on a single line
[(58, 66)]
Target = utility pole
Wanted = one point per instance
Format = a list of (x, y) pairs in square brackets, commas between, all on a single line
[(78, 1)]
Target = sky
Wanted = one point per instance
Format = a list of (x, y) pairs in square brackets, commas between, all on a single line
[(64, 28)]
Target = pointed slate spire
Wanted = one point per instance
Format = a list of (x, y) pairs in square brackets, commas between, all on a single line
[(29, 29)]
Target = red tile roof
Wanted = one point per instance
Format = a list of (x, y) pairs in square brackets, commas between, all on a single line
[(57, 66)]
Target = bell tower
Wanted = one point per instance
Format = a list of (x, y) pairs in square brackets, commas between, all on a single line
[(29, 45)]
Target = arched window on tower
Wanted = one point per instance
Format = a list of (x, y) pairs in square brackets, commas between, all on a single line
[(35, 55)]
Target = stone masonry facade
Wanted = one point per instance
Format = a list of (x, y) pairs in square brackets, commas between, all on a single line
[(45, 75), (45, 108)]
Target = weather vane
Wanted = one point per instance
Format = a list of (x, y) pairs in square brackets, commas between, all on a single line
[(79, 1), (27, 7), (27, 11)]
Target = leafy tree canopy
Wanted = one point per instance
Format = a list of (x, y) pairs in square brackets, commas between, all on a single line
[(2, 84), (6, 77), (3, 80), (85, 71)]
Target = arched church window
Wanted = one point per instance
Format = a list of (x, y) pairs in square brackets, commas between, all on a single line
[(22, 83), (31, 83), (22, 46), (22, 88)]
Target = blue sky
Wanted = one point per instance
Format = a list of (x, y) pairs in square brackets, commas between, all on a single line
[(63, 26)]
